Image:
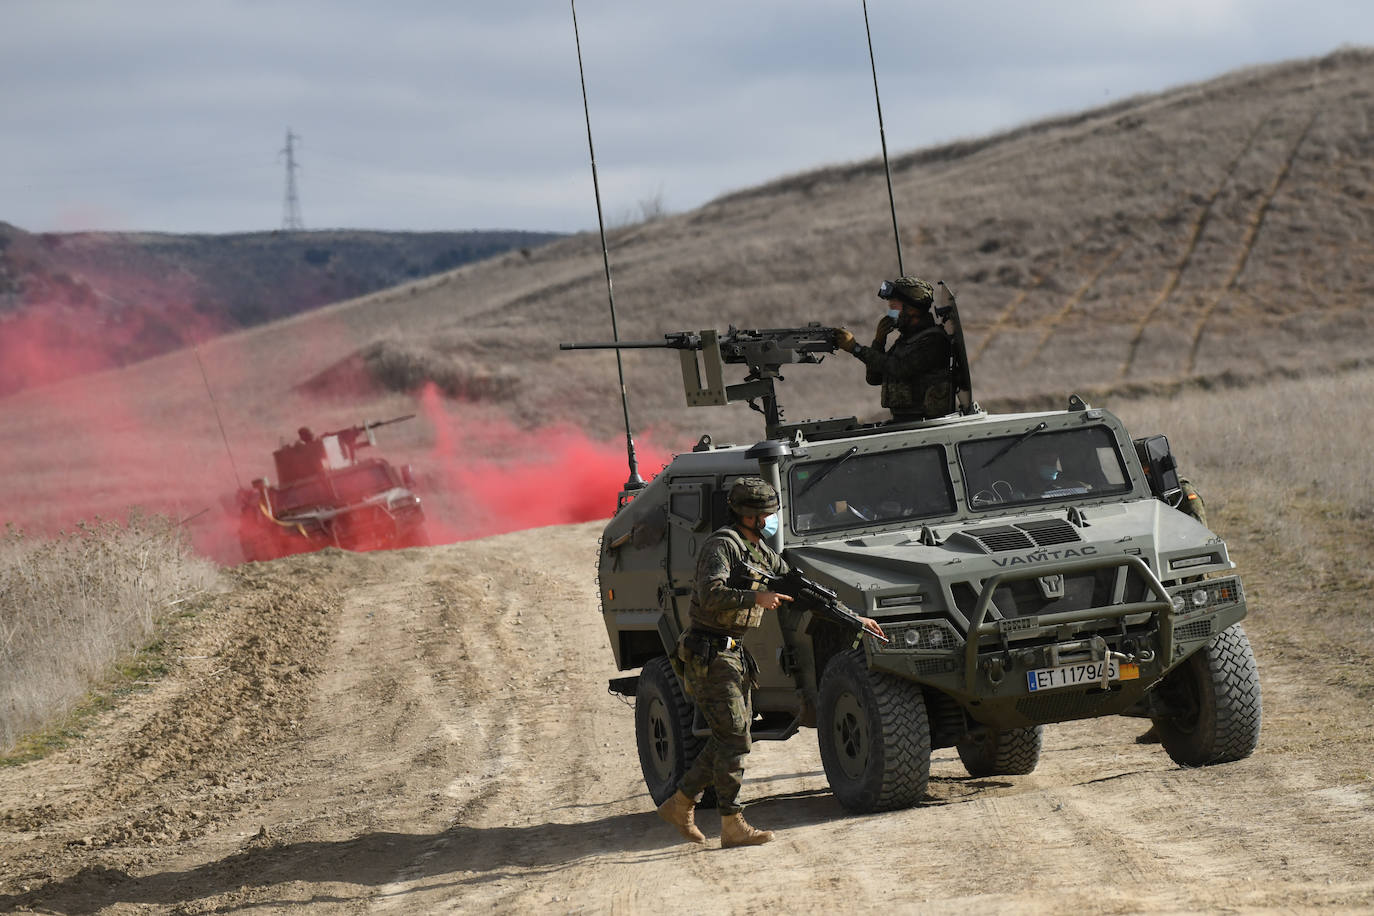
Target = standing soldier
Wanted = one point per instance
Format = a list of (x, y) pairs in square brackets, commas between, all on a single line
[(915, 372), (718, 669)]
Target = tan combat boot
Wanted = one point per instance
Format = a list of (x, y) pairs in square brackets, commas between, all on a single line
[(677, 811), (735, 831)]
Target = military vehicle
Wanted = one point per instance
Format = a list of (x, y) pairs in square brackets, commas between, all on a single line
[(1028, 569), (326, 496)]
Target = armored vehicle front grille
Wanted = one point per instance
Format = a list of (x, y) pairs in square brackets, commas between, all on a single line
[(1001, 538), (1048, 531), (933, 666), (1044, 532), (1033, 597), (1061, 707), (1198, 629)]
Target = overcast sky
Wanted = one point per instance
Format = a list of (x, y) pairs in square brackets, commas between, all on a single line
[(467, 114)]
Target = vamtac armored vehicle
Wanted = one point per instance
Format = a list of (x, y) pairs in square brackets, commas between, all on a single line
[(1027, 568), (326, 496)]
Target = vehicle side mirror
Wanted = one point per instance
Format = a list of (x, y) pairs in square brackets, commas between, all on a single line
[(1161, 470)]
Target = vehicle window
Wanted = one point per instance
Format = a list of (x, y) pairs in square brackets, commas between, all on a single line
[(876, 489), (1043, 467)]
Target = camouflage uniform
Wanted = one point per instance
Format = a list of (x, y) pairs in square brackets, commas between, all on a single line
[(1190, 503), (720, 684), (914, 371)]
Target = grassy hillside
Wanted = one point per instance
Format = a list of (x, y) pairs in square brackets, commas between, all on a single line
[(1204, 238), (76, 302)]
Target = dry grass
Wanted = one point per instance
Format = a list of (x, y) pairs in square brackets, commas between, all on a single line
[(74, 606), (1275, 444)]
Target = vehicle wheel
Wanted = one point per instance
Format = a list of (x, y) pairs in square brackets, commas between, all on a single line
[(1212, 703), (663, 730), (416, 537), (1010, 752), (874, 736)]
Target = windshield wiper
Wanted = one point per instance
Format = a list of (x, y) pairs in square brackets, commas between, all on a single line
[(821, 474), (1015, 442)]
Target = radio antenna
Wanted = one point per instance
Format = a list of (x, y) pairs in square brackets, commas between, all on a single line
[(634, 482), (195, 348), (882, 136)]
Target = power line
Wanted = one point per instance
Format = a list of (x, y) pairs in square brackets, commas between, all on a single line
[(291, 207)]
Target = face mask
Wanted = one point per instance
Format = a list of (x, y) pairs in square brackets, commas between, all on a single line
[(1049, 474), (770, 526), (894, 314)]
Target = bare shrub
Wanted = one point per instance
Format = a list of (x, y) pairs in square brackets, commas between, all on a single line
[(406, 365), (71, 607)]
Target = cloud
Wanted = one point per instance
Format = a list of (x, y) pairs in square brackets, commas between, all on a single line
[(172, 116)]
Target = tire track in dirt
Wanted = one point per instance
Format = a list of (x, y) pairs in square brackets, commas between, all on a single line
[(1247, 244), (1200, 221), (1072, 302)]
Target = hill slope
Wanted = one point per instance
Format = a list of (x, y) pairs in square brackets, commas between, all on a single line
[(72, 303), (1214, 232), (1214, 228)]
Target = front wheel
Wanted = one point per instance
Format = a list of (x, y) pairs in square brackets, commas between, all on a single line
[(874, 736), (1010, 752), (1208, 709), (663, 729)]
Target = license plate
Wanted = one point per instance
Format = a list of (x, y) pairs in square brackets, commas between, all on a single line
[(1080, 673)]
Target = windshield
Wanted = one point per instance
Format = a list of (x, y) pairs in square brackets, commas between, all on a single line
[(873, 489), (1042, 467)]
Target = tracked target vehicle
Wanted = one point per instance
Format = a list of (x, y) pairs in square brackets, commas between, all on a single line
[(1028, 568), (328, 496)]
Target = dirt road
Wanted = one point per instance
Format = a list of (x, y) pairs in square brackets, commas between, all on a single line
[(429, 730)]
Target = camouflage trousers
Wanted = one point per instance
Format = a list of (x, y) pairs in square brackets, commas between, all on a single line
[(720, 690)]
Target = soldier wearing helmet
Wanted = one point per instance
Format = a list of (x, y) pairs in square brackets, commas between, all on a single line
[(718, 670), (915, 372)]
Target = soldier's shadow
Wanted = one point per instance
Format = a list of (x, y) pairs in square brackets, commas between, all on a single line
[(463, 855)]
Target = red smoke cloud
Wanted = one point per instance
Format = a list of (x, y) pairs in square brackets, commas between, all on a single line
[(492, 477)]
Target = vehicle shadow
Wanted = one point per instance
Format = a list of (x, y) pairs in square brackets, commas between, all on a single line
[(464, 855)]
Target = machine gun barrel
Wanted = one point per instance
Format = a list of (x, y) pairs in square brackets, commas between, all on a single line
[(376, 423), (763, 350), (670, 343)]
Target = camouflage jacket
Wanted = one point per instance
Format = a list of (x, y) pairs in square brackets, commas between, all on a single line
[(914, 373), (715, 605), (1190, 501)]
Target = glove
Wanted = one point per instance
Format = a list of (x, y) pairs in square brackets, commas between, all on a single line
[(844, 340)]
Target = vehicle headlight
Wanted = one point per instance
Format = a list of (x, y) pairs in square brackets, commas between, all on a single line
[(1180, 604)]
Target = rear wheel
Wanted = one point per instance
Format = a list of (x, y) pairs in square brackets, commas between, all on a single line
[(1009, 752), (874, 736), (1208, 708), (663, 729)]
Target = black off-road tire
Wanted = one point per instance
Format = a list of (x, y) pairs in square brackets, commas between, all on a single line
[(663, 731), (1010, 752), (874, 736), (1214, 703)]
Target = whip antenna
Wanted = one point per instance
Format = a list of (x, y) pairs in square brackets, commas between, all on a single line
[(635, 482), (882, 136), (222, 434)]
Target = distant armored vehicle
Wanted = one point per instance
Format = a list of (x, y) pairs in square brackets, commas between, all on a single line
[(1027, 568), (326, 496)]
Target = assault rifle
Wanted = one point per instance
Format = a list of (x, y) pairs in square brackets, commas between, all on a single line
[(806, 594), (764, 351)]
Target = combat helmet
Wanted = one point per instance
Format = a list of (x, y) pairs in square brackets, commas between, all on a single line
[(752, 496), (910, 289)]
